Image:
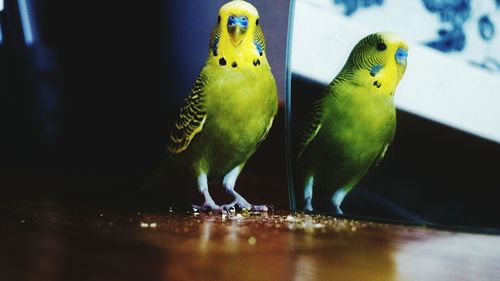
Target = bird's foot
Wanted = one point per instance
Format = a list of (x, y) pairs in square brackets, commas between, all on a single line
[(243, 204), (308, 208), (259, 208), (229, 208), (208, 206), (338, 210)]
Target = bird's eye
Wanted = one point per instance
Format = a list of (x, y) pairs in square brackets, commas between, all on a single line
[(257, 22), (381, 46), (218, 19)]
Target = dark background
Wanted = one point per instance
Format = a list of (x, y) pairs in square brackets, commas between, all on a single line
[(86, 106)]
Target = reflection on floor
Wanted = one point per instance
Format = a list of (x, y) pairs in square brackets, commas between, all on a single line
[(50, 241)]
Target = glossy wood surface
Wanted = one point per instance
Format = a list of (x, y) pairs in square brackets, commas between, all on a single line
[(50, 241)]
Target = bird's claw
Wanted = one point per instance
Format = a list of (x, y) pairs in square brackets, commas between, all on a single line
[(207, 207), (259, 208), (308, 207), (230, 208)]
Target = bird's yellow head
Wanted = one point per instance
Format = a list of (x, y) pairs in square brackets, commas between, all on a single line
[(378, 61), (238, 17), (237, 37)]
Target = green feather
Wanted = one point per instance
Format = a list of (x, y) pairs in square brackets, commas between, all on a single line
[(224, 118), (191, 118)]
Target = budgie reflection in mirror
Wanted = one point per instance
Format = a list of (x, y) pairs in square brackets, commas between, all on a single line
[(352, 123), (231, 107)]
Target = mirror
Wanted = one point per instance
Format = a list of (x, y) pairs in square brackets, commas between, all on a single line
[(425, 150)]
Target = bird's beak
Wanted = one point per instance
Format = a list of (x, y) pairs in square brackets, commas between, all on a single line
[(401, 56), (237, 27), (237, 33)]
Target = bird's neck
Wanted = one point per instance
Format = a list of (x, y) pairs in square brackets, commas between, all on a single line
[(384, 83), (243, 56)]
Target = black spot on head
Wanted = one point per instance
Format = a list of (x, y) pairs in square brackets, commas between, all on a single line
[(257, 22), (260, 53), (214, 53), (377, 84), (234, 64), (222, 61), (218, 19), (256, 62), (381, 46)]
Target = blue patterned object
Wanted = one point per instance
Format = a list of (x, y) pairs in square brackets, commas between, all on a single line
[(451, 34), (449, 40), (454, 12), (486, 28), (351, 6), (489, 63)]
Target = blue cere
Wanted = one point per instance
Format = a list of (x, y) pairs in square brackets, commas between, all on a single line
[(234, 20), (401, 55), (351, 6), (486, 28), (455, 11)]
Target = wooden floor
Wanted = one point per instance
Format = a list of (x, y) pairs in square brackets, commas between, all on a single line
[(49, 241)]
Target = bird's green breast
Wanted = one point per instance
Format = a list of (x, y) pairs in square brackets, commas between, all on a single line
[(356, 126), (240, 104)]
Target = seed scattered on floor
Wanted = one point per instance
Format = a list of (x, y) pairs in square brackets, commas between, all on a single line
[(252, 240)]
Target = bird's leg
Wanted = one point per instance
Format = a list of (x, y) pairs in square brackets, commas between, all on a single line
[(209, 202), (338, 197), (308, 193), (229, 182)]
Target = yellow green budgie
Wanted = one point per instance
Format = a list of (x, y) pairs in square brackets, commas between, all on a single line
[(352, 123), (231, 107)]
